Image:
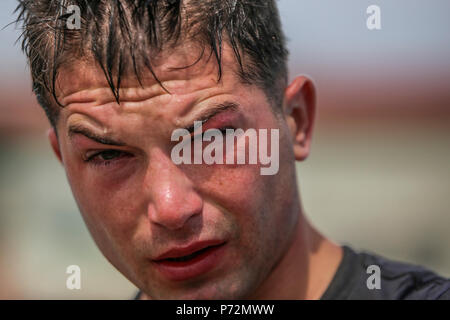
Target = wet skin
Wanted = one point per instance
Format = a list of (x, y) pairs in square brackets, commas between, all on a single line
[(138, 204)]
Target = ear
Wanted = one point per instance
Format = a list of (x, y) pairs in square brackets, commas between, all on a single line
[(299, 111), (53, 138)]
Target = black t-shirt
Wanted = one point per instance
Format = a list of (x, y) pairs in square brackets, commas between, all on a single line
[(398, 281)]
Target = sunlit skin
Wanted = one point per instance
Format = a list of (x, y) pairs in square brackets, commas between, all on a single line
[(138, 204)]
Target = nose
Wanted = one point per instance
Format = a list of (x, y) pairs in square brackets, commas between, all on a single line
[(172, 198)]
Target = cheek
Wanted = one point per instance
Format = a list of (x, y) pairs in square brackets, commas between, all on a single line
[(237, 188), (245, 196), (107, 208), (112, 219)]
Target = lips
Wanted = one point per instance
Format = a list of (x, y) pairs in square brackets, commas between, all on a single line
[(188, 250), (187, 262)]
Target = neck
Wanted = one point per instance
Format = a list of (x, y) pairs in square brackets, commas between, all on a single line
[(306, 269)]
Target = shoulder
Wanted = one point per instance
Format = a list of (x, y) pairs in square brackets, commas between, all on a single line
[(364, 275)]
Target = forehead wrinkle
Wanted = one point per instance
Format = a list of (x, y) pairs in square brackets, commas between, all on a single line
[(179, 100), (99, 94), (187, 90), (154, 109), (169, 68)]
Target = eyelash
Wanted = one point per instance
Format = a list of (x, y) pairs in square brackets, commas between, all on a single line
[(223, 130), (97, 162)]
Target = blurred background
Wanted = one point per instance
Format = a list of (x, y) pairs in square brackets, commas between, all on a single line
[(378, 177)]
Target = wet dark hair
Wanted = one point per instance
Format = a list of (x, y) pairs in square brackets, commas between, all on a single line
[(119, 33)]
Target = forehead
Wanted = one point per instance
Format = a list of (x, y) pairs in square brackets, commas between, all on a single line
[(181, 69), (189, 83)]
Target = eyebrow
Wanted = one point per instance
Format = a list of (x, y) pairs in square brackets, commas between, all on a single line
[(212, 112), (203, 117), (80, 129)]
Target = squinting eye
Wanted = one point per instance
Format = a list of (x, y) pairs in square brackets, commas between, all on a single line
[(224, 129), (106, 155)]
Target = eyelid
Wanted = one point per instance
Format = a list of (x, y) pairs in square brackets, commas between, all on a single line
[(221, 129), (83, 134), (91, 155), (224, 111)]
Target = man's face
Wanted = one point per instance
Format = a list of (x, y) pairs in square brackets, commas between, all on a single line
[(138, 204)]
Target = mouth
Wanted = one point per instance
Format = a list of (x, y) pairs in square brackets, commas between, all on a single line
[(191, 256), (183, 263)]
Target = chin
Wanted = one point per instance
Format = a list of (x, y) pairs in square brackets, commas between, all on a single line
[(213, 290)]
